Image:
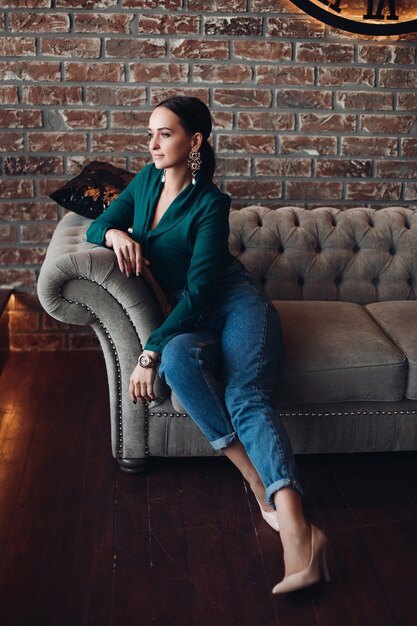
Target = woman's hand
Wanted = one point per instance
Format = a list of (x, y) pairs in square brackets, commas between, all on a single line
[(141, 385), (128, 252)]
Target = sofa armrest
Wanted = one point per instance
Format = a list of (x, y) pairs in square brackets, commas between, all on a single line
[(80, 283)]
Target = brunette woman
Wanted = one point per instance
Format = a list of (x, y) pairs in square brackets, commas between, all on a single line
[(220, 346)]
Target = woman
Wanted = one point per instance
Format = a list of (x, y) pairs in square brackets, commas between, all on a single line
[(219, 347)]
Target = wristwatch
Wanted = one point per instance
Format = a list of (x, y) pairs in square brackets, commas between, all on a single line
[(146, 361)]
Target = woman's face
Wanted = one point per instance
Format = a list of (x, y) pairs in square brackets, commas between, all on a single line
[(169, 143)]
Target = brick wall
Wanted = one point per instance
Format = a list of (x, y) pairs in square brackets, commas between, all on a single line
[(304, 114)]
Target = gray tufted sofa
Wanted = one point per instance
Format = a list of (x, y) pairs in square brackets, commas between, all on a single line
[(344, 283)]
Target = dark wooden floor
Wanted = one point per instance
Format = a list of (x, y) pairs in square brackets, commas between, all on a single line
[(184, 545)]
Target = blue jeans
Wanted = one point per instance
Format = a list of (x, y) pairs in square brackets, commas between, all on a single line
[(224, 373)]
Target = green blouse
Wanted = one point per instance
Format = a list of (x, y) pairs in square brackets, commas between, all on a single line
[(187, 249)]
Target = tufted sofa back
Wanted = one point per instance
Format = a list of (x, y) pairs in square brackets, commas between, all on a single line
[(359, 255)]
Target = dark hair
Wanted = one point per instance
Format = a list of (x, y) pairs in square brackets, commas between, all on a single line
[(195, 118)]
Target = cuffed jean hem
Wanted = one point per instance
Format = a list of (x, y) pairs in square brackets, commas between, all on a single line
[(277, 486), (223, 442)]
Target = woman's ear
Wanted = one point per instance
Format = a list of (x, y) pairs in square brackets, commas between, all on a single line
[(196, 141)]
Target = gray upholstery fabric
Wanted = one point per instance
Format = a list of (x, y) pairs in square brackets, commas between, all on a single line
[(345, 368), (334, 352), (399, 321)]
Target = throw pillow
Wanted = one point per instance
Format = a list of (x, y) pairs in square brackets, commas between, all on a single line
[(92, 190)]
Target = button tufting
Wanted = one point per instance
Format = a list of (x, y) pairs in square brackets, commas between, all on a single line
[(280, 248), (300, 281), (392, 250), (317, 249), (338, 280), (356, 248)]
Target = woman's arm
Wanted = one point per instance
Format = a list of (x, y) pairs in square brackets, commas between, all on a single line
[(209, 253)]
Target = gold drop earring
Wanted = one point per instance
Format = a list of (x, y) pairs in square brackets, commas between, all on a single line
[(194, 163)]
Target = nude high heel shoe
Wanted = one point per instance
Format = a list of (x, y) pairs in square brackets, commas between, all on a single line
[(270, 517), (312, 573)]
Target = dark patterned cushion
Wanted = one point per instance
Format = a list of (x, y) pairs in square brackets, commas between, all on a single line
[(91, 192)]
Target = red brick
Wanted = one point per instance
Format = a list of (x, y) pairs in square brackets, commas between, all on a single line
[(130, 119), (8, 233), (37, 341), (264, 144), (233, 26), (39, 22), (169, 24), (8, 94), (152, 4), (24, 321), (26, 301), (309, 144), (283, 167), (49, 323), (17, 278), (254, 189), (102, 23), (158, 72), (397, 169), (407, 101), (57, 142), (410, 191), (409, 146), (116, 96), (303, 98), (242, 97), (119, 142), (299, 28), (336, 168), (387, 123), (11, 142), (37, 233), (81, 118), (402, 79), (284, 75), (95, 72), (222, 120), (365, 100), (20, 118), (280, 6), (17, 46), (373, 191), (12, 188), (346, 76), (233, 166), (331, 122), (54, 94), (325, 52), (22, 256), (30, 70), (16, 166), (86, 4), (262, 50), (87, 48), (199, 49), (217, 5), (26, 4), (75, 164), (47, 185), (138, 163), (369, 146), (380, 54), (160, 93), (221, 73), (314, 190), (266, 121), (135, 48), (28, 211)]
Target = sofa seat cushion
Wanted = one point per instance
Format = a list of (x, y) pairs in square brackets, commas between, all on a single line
[(336, 352), (398, 320)]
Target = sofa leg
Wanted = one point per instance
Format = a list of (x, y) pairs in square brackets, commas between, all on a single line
[(132, 466)]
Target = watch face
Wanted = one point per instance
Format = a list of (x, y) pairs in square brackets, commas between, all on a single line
[(367, 17), (144, 360)]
